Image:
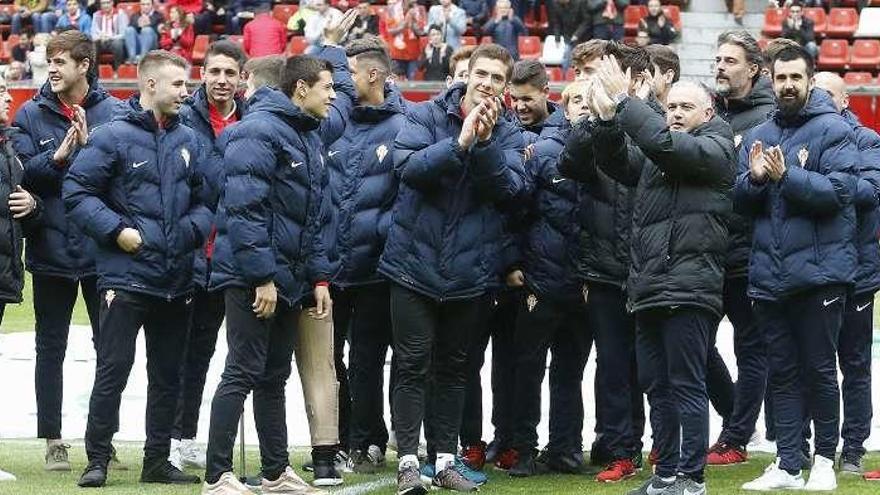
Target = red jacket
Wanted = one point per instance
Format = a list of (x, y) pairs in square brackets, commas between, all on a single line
[(183, 46), (189, 6), (265, 35)]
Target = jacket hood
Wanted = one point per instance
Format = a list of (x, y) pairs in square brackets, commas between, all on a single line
[(818, 103), (761, 94), (450, 100), (851, 118), (94, 95), (134, 113), (716, 125), (271, 100), (393, 105)]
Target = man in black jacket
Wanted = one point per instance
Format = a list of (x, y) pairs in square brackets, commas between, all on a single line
[(682, 168), (744, 98)]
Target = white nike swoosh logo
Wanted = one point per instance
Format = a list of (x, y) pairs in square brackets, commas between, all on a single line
[(650, 490), (138, 164), (862, 308), (332, 154), (295, 164), (557, 180), (827, 303), (44, 141)]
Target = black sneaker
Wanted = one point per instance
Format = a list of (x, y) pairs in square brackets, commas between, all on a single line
[(600, 455), (565, 464), (451, 479), (94, 476), (324, 465), (409, 481), (850, 464), (164, 472), (654, 486), (525, 465), (361, 463)]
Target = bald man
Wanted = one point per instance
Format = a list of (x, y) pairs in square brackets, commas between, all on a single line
[(854, 346)]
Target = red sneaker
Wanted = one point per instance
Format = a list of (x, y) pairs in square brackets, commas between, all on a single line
[(618, 470), (722, 454), (872, 475), (474, 455), (652, 457), (507, 459)]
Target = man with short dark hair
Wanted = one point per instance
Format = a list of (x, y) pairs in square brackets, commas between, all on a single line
[(797, 181), (137, 189), (54, 127), (458, 161), (530, 98), (666, 70)]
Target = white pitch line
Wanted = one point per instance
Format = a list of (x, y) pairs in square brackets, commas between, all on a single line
[(369, 486)]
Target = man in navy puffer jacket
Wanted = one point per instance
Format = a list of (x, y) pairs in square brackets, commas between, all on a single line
[(363, 188), (60, 257), (797, 182), (458, 159), (137, 190), (269, 257), (856, 334)]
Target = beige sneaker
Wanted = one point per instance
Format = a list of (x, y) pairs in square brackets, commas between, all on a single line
[(228, 484), (289, 483), (56, 457)]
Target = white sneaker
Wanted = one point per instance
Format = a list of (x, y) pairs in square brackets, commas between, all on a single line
[(191, 454), (775, 479), (290, 483), (374, 453), (228, 484), (174, 454), (822, 477), (4, 476)]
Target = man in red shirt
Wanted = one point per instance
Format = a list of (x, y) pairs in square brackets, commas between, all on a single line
[(265, 35)]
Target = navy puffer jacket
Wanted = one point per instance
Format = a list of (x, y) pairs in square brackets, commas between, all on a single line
[(446, 231), (271, 212), (804, 224), (549, 258), (57, 248), (133, 173), (548, 127), (867, 213), (363, 188)]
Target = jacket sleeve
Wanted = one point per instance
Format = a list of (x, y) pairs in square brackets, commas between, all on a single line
[(39, 168), (497, 164), (198, 220), (749, 197), (418, 160), (333, 125), (704, 159), (87, 181), (829, 189), (576, 160), (249, 163), (868, 142), (458, 21), (615, 155)]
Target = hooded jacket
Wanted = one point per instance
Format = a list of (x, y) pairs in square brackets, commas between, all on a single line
[(868, 191), (805, 223), (682, 181), (269, 220), (446, 229), (57, 248), (134, 173)]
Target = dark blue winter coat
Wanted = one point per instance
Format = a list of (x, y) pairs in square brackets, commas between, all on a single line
[(548, 127), (133, 173), (270, 214), (867, 213), (363, 188), (57, 248), (804, 224), (549, 254), (446, 230)]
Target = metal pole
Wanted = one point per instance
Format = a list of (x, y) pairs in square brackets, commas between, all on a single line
[(241, 453)]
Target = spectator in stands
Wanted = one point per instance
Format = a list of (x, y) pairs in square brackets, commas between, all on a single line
[(15, 71), (203, 14), (459, 65), (25, 45), (607, 17), (737, 8), (367, 22), (142, 33), (569, 22), (799, 28), (296, 25), (37, 60), (659, 28), (403, 25), (35, 13), (178, 34), (643, 39), (324, 15), (241, 12), (451, 19), (75, 17), (506, 28), (435, 60), (265, 35), (476, 12), (108, 31)]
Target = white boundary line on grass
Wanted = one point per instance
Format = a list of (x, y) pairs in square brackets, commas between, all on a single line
[(364, 488)]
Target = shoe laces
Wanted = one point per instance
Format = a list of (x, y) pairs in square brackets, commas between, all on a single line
[(58, 452), (622, 465)]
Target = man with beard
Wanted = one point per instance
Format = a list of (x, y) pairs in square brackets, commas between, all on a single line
[(137, 189), (54, 127), (682, 168), (744, 98), (797, 182)]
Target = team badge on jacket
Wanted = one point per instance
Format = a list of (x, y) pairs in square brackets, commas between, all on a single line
[(586, 292), (381, 151), (737, 140), (184, 153), (531, 302), (803, 154), (109, 296)]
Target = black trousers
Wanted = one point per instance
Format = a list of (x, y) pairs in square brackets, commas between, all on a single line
[(854, 356), (259, 360), (671, 346), (619, 401), (207, 317), (343, 307), (54, 298), (802, 339), (366, 313), (122, 315), (500, 328), (431, 338), (558, 326)]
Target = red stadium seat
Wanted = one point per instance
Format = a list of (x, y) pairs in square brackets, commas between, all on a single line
[(195, 73), (817, 15), (842, 23), (673, 13), (468, 40), (127, 71), (297, 45), (858, 78), (200, 47), (283, 12), (631, 17), (773, 21), (130, 8), (865, 55), (861, 105), (530, 47), (555, 74), (105, 71), (833, 54)]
